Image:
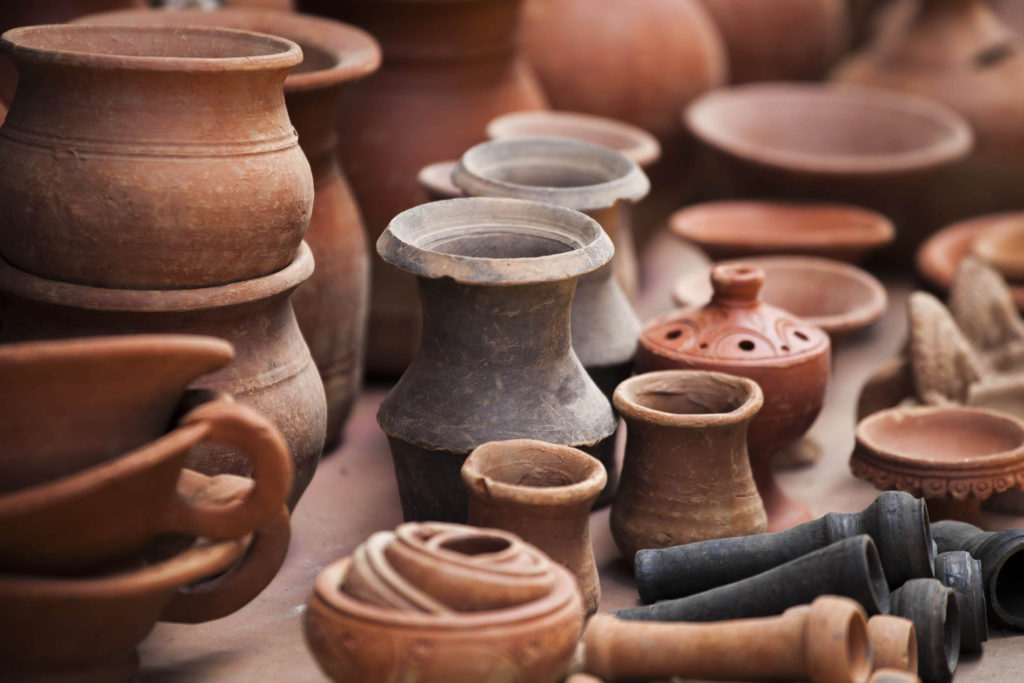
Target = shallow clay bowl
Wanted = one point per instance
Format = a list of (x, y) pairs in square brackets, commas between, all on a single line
[(436, 180), (953, 456), (835, 296)]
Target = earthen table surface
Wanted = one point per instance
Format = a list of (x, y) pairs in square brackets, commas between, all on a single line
[(353, 494)]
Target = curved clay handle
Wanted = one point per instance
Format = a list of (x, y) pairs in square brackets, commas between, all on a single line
[(232, 590), (199, 513)]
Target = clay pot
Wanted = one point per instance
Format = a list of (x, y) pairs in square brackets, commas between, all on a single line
[(589, 178), (739, 229), (474, 603), (861, 146), (933, 609), (826, 641), (89, 193), (897, 522), (543, 493), (791, 40), (954, 456), (893, 643), (436, 180), (272, 371), (496, 279), (839, 298), (448, 69), (961, 572), (332, 306), (71, 405), (686, 475), (849, 567), (738, 334), (959, 53)]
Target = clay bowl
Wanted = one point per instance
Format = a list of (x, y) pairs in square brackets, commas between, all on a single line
[(953, 456), (1003, 248), (436, 180), (837, 297), (70, 405), (749, 228)]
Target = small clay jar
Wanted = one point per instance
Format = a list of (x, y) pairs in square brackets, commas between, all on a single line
[(738, 334), (686, 475), (961, 572), (590, 178), (98, 190), (543, 493), (473, 604), (933, 609), (893, 643), (496, 283), (272, 371), (825, 642)]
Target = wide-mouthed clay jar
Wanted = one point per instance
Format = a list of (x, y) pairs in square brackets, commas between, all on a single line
[(496, 279), (444, 603), (150, 157)]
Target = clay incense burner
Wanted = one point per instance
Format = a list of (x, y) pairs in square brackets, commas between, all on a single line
[(462, 604), (686, 475), (961, 572), (543, 493), (496, 283), (738, 334), (893, 643), (936, 615)]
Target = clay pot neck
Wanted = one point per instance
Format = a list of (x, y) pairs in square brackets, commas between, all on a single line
[(736, 285), (673, 399)]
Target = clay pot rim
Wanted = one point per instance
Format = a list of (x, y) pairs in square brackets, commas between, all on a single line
[(589, 247), (626, 403), (64, 294), (285, 55), (356, 52), (701, 118), (639, 145), (215, 351), (994, 247), (436, 179), (580, 491), (623, 178)]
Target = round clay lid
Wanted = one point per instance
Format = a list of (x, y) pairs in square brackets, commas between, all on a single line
[(734, 327)]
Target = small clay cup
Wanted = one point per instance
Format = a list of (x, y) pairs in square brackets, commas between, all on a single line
[(893, 643), (543, 493), (70, 405), (933, 609)]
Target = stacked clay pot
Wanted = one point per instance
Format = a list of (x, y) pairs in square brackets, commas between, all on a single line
[(186, 214)]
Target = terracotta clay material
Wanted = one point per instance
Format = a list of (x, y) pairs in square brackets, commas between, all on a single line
[(954, 456), (893, 676), (543, 493), (1003, 248), (839, 298), (686, 474), (272, 370), (89, 193), (738, 334), (961, 572), (893, 643), (933, 609), (475, 603), (826, 642), (737, 229)]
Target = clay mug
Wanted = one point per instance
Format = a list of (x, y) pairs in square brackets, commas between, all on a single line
[(70, 405), (108, 513)]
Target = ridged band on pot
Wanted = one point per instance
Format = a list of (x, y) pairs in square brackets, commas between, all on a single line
[(961, 572), (933, 609), (893, 643), (272, 370), (496, 278), (686, 474)]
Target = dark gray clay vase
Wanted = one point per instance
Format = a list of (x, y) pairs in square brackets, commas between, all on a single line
[(496, 282), (933, 609), (961, 572)]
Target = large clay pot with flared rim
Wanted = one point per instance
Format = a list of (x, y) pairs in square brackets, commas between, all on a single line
[(448, 68), (204, 185), (496, 279), (272, 370)]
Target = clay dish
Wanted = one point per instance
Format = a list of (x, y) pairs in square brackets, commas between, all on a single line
[(436, 180), (835, 296), (1003, 248), (953, 456), (747, 228)]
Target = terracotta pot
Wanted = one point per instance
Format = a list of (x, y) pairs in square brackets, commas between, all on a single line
[(639, 62), (71, 405), (933, 609), (961, 572), (787, 40), (597, 181), (543, 493), (496, 361), (448, 69), (686, 475), (959, 53), (272, 371), (738, 334), (893, 643), (88, 191), (485, 606)]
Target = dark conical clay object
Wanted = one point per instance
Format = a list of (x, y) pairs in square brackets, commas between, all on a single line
[(961, 572), (850, 568), (896, 521), (933, 609), (1001, 554)]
